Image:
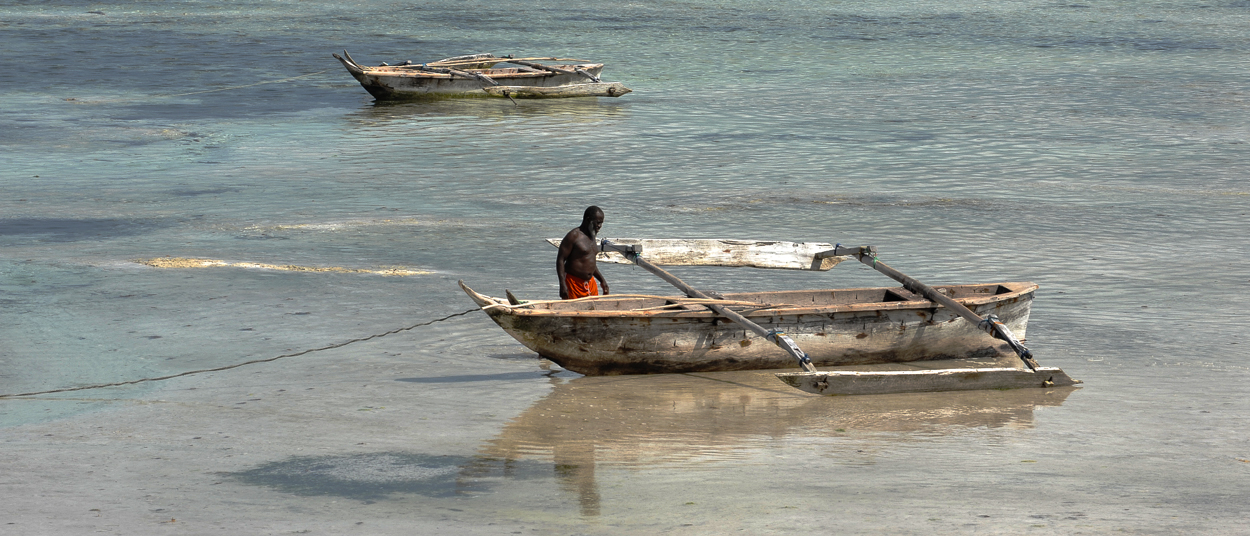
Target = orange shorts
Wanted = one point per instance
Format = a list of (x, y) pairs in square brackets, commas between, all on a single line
[(580, 288)]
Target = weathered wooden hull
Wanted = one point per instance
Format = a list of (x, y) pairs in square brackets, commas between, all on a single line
[(608, 335), (407, 83)]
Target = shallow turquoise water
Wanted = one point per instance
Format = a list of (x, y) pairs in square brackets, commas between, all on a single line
[(1098, 149)]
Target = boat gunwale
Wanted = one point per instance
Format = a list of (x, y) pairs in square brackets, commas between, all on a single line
[(404, 71), (498, 306)]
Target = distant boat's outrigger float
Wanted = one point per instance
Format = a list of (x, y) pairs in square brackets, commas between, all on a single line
[(641, 334), (475, 75)]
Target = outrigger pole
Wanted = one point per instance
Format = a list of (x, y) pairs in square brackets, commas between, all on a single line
[(881, 382), (989, 324)]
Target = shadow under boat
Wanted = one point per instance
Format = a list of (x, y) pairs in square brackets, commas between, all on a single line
[(674, 418), (576, 111)]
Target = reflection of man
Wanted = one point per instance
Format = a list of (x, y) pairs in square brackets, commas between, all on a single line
[(575, 263)]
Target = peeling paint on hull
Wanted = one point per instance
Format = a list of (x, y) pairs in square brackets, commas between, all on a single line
[(612, 336)]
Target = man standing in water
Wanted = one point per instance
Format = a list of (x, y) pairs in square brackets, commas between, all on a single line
[(575, 263)]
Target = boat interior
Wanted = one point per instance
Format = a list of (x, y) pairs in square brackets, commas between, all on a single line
[(508, 72), (480, 64), (778, 299)]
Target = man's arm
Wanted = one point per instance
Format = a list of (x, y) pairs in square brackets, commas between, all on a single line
[(602, 282), (562, 256)]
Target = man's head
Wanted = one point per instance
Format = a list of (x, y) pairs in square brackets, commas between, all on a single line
[(592, 220)]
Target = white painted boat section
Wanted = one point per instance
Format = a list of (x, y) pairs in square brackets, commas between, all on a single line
[(724, 252)]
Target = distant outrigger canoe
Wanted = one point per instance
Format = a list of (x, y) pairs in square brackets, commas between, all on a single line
[(475, 75)]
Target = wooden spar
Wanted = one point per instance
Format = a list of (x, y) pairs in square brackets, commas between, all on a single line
[(777, 337), (586, 74), (469, 61), (468, 75), (525, 69), (989, 324), (547, 68), (605, 89), (479, 76)]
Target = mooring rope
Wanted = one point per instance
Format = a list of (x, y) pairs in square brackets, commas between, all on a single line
[(237, 365), (243, 86), (199, 92)]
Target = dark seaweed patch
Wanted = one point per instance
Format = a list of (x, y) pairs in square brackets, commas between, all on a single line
[(189, 192), (371, 477), (70, 230)]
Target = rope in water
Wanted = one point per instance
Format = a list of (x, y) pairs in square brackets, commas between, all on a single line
[(237, 365), (248, 85), (203, 91)]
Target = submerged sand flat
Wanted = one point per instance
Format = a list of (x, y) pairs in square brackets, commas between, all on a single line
[(187, 262), (336, 226), (365, 440)]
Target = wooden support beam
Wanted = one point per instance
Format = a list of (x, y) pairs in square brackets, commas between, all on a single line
[(547, 68), (843, 382)]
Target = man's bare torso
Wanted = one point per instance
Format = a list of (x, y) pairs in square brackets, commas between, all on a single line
[(580, 261), (576, 258)]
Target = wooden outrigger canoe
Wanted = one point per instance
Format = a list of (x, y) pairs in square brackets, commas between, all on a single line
[(476, 75), (640, 334), (631, 334)]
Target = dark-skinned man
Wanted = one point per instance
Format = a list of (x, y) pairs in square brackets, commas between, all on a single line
[(575, 263)]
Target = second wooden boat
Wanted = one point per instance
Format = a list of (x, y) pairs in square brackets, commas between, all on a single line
[(479, 75)]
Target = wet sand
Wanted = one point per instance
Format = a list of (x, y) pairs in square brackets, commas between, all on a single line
[(178, 462), (357, 441)]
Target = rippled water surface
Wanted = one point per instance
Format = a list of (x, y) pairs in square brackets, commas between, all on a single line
[(1098, 149)]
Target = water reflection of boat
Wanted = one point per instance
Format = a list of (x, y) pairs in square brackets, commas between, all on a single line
[(680, 418), (415, 116)]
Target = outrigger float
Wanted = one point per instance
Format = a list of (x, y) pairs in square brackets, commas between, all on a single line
[(915, 323), (475, 75)]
